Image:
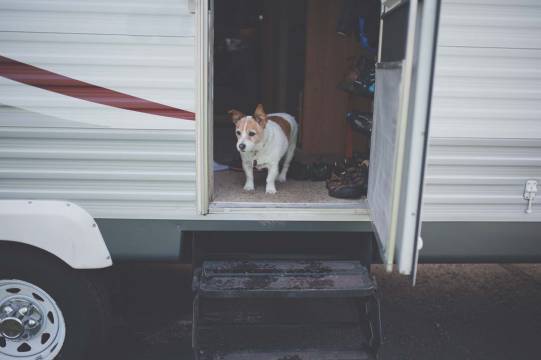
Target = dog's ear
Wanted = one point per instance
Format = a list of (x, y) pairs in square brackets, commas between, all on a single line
[(235, 115), (260, 116)]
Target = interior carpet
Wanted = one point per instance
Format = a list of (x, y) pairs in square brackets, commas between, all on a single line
[(228, 188)]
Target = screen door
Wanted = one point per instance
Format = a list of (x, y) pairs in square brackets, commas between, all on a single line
[(399, 140)]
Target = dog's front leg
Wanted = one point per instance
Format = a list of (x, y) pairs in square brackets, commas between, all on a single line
[(248, 167), (271, 178)]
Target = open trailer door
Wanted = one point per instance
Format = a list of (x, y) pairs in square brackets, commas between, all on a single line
[(404, 73)]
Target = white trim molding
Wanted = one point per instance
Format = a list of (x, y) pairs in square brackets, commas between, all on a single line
[(202, 119)]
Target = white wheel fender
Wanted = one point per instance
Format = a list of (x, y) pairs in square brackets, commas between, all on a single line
[(58, 227)]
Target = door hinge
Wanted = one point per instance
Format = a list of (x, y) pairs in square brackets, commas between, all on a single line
[(530, 189)]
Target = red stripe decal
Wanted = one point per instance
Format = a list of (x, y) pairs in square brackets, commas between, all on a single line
[(47, 80)]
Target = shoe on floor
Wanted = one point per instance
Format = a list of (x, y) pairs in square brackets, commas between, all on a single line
[(360, 121), (320, 171), (349, 181), (299, 171), (360, 79)]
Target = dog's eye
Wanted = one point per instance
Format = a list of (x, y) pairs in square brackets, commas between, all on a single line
[(251, 133), (238, 132)]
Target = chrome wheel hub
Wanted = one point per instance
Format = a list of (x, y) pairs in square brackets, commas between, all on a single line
[(20, 319), (12, 328), (31, 323)]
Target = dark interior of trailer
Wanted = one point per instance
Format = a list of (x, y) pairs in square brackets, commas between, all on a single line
[(313, 59)]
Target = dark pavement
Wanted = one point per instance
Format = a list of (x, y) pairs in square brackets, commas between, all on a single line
[(455, 312)]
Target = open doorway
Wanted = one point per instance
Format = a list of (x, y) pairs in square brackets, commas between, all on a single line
[(314, 60)]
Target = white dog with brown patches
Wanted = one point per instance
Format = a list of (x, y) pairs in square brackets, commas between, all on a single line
[(263, 140)]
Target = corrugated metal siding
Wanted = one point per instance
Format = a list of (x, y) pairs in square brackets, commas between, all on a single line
[(486, 112), (155, 68), (114, 17), (491, 23), (110, 172), (138, 47)]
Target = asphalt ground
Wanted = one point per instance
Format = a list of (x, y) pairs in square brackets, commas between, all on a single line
[(473, 311)]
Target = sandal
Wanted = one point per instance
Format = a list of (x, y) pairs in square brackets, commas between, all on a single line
[(347, 181)]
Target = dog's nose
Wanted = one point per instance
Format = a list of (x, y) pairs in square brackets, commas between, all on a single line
[(242, 146)]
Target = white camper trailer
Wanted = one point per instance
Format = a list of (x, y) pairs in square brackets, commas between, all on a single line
[(107, 149)]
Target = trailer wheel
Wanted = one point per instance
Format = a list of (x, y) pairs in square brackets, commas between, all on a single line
[(48, 310)]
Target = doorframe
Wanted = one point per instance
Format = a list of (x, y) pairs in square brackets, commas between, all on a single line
[(204, 104), (204, 123)]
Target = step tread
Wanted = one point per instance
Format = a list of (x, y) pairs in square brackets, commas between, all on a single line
[(279, 310), (303, 354), (285, 278), (229, 337)]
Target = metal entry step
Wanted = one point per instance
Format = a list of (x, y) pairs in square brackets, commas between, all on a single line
[(285, 310), (314, 354), (284, 342), (284, 278)]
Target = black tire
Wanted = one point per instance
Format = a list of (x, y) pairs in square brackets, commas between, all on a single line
[(80, 296)]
